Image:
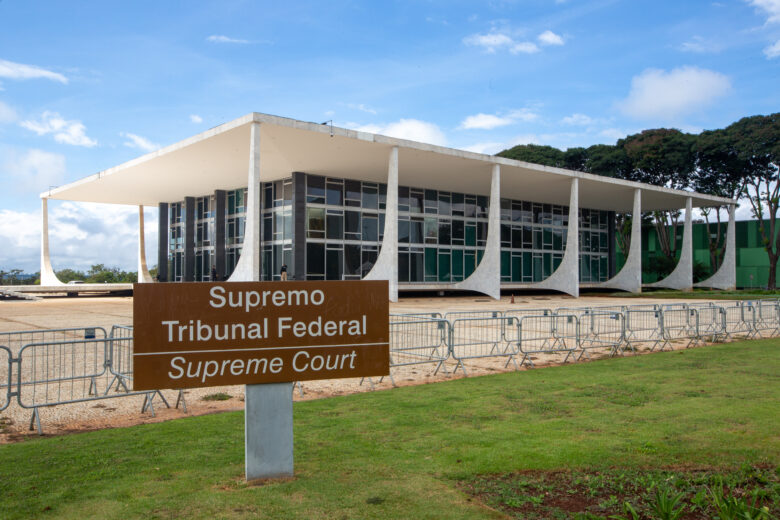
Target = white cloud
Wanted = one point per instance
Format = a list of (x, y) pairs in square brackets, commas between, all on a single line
[(773, 51), (142, 143), (218, 38), (71, 132), (412, 129), (7, 114), (361, 107), (657, 94), (80, 235), (65, 131), (489, 121), (490, 42), (33, 170), (577, 120), (484, 122), (699, 45), (770, 7), (550, 38), (11, 70), (487, 148), (524, 48), (496, 40), (195, 118)]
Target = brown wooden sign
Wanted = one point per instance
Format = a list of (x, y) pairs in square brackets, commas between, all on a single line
[(189, 335)]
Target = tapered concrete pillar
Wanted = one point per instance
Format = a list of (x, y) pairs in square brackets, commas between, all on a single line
[(681, 278), (486, 278), (630, 276), (567, 277), (726, 276), (386, 266), (48, 277), (143, 271), (268, 419), (248, 266)]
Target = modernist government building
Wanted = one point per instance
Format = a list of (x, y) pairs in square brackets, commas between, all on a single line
[(242, 199)]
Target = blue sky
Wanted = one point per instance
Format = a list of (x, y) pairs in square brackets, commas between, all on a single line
[(88, 85)]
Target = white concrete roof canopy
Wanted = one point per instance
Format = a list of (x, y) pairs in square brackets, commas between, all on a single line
[(218, 159)]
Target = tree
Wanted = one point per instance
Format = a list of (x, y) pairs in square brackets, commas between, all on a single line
[(721, 171), (663, 157), (537, 154), (757, 140)]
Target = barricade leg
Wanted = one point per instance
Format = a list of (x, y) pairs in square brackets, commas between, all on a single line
[(180, 399), (36, 419)]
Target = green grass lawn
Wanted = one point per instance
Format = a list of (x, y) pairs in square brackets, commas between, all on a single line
[(407, 452)]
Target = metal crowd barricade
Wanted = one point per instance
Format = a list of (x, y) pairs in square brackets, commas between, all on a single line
[(766, 322), (643, 326), (472, 338), (121, 357), (544, 334), (419, 341), (5, 377), (712, 322), (454, 315), (680, 323), (15, 340), (406, 315), (121, 367), (601, 329), (739, 321), (61, 372)]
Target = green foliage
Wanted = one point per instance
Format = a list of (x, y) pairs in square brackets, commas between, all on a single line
[(666, 505), (219, 396), (98, 273), (17, 277)]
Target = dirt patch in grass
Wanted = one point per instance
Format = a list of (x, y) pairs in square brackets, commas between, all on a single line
[(691, 493)]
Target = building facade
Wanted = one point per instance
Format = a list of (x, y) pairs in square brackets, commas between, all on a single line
[(245, 198), (328, 228)]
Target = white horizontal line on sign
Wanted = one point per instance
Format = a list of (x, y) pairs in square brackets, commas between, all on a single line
[(253, 349)]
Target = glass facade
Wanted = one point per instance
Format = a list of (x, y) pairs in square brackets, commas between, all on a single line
[(277, 229), (441, 235)]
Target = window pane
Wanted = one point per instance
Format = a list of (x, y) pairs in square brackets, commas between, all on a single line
[(335, 227), (351, 259), (444, 266), (316, 222), (315, 259), (403, 266), (315, 189), (444, 232), (403, 231), (335, 195), (416, 267), (352, 189), (333, 264), (370, 229), (370, 200)]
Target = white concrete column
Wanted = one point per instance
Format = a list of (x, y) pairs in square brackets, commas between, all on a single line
[(726, 276), (630, 276), (682, 276), (48, 278), (486, 278), (386, 266), (143, 271), (567, 277), (248, 266), (268, 419)]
